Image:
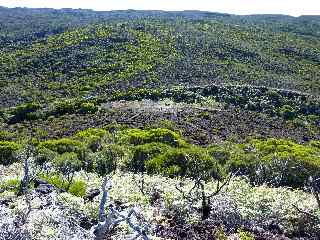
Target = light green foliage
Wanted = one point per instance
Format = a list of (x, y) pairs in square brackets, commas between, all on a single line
[(6, 135), (219, 234), (64, 107), (62, 145), (88, 107), (276, 161), (56, 180), (143, 153), (90, 132), (244, 235), (11, 185), (315, 144), (93, 137), (67, 164), (7, 152), (78, 188), (192, 162), (138, 137)]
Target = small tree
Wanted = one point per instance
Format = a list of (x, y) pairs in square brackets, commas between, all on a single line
[(201, 168), (192, 163), (106, 161), (68, 164)]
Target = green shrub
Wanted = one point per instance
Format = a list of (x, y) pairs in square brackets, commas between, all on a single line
[(12, 185), (138, 137), (78, 188), (244, 235), (64, 107), (87, 133), (7, 152), (276, 161), (88, 107), (142, 153), (67, 164), (56, 180), (220, 234), (220, 153), (25, 112), (107, 160), (288, 112), (44, 155), (193, 162), (62, 145), (92, 137), (315, 144), (6, 135)]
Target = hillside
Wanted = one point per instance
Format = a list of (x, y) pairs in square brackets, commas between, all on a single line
[(158, 125), (53, 54)]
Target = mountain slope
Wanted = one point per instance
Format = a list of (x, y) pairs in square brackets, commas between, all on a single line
[(70, 53)]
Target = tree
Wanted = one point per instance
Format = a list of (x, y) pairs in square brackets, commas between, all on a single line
[(67, 164)]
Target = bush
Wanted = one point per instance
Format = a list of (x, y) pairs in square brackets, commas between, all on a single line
[(7, 152), (25, 112), (276, 161), (64, 107), (88, 107), (67, 164), (90, 132), (44, 156), (220, 153), (192, 162), (12, 185), (6, 135), (138, 137), (142, 153), (62, 145), (287, 112), (56, 180), (78, 188), (92, 137), (107, 160), (244, 235)]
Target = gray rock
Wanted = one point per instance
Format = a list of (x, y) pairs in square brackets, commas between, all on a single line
[(45, 188), (92, 194), (38, 182)]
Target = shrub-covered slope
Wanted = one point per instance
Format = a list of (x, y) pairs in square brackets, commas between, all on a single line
[(47, 54)]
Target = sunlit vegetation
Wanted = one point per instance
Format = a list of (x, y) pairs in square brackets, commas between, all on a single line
[(178, 125)]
